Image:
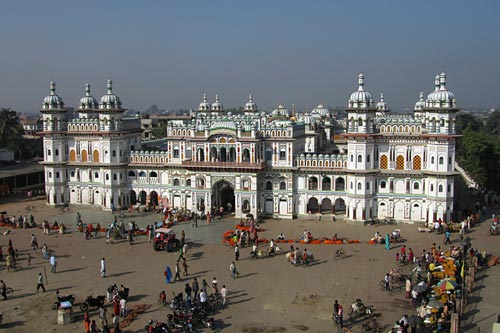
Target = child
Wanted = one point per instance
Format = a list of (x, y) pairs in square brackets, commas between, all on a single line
[(29, 259), (397, 258)]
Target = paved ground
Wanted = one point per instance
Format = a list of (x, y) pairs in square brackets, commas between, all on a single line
[(269, 296)]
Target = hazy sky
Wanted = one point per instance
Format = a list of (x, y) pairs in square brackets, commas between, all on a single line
[(294, 52)]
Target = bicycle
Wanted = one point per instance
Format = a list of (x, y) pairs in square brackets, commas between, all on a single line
[(340, 254)]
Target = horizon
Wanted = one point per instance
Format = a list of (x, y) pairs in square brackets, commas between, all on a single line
[(289, 52)]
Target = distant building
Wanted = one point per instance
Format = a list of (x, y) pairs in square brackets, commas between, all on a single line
[(31, 127), (370, 164)]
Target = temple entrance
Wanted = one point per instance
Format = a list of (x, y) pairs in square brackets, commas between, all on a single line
[(223, 196)]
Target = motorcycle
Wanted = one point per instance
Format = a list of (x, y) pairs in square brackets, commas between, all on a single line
[(372, 325), (201, 317), (60, 299), (156, 327), (122, 293), (92, 302), (358, 309)]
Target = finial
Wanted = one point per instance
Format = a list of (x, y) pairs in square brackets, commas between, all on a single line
[(361, 81), (110, 86), (250, 98), (52, 87), (87, 89), (217, 98), (442, 80), (422, 96), (205, 97), (381, 97), (436, 82)]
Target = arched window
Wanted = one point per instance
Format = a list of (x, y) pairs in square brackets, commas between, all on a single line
[(352, 185), (95, 156), (50, 175), (432, 187), (142, 174), (360, 122), (368, 158), (269, 185), (383, 184), (188, 182), (49, 152), (416, 185), (72, 173), (153, 174), (432, 160), (400, 162), (352, 158), (107, 176), (96, 174), (58, 174), (72, 155), (440, 188), (339, 184), (359, 186), (417, 162), (360, 158), (313, 183), (246, 184), (282, 186), (84, 156), (367, 186), (383, 162), (56, 151), (177, 182), (441, 160)]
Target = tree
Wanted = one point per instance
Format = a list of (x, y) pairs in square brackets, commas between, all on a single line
[(465, 120), (160, 131), (11, 130)]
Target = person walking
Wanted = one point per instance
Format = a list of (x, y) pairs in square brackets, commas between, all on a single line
[(188, 290), (185, 267), (447, 237), (177, 272), (53, 263), (103, 316), (387, 280), (340, 316), (387, 242), (116, 324), (86, 322), (234, 271), (123, 307), (3, 289), (195, 221), (236, 252), (195, 288), (204, 286), (40, 283), (103, 268), (223, 293)]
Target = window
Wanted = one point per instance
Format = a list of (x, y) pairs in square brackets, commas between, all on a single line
[(352, 158), (442, 122), (49, 152), (449, 188), (359, 186), (367, 158), (282, 186), (188, 182), (441, 160), (153, 174), (282, 155), (360, 158), (440, 188), (72, 174), (142, 174), (96, 175), (416, 186), (352, 185), (107, 176), (131, 174), (177, 182), (367, 186), (50, 175), (176, 152), (449, 160), (114, 176), (114, 153), (58, 174), (246, 184), (432, 160), (360, 122), (269, 185), (432, 187), (56, 152), (383, 184)]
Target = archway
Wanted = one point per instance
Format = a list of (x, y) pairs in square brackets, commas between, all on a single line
[(339, 184), (153, 198), (313, 205), (223, 155), (245, 207), (142, 197), (133, 197), (340, 205), (223, 196), (326, 205), (326, 184)]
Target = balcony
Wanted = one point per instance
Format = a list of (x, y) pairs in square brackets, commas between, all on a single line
[(228, 166)]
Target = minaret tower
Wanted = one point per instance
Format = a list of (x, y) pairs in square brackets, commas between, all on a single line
[(54, 147)]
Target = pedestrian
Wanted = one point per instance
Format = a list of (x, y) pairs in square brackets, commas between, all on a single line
[(340, 316), (410, 255), (3, 288), (102, 316), (53, 263), (185, 249), (86, 322), (203, 299), (103, 268), (177, 272), (1, 254), (234, 271), (29, 259), (123, 307), (10, 262), (150, 233), (116, 324), (34, 243), (185, 267), (116, 306), (387, 280), (408, 288), (236, 252), (223, 293), (387, 242), (204, 286), (195, 288), (188, 290), (447, 237), (40, 283), (195, 221), (97, 230)]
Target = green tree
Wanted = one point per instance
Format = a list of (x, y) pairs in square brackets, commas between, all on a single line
[(11, 130), (492, 125), (465, 120), (160, 131)]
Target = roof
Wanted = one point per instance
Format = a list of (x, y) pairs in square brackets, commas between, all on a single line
[(20, 169)]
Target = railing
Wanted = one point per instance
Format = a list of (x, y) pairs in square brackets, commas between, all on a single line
[(225, 165), (468, 179)]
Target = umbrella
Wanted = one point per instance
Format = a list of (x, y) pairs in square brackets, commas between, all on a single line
[(421, 287), (415, 320), (434, 303), (447, 284)]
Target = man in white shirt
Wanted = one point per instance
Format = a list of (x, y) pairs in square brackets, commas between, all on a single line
[(223, 293), (53, 263), (123, 307), (103, 268), (203, 299)]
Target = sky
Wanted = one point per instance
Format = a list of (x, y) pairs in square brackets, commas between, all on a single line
[(169, 53)]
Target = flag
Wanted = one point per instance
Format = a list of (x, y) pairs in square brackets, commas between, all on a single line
[(168, 274)]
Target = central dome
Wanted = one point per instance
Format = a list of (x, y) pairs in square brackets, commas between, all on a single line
[(360, 99), (88, 102), (217, 106), (110, 100), (53, 101)]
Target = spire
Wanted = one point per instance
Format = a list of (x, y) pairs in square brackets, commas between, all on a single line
[(442, 81), (52, 88), (436, 83), (204, 98), (381, 97), (361, 82), (422, 96), (217, 98), (250, 99), (87, 89), (110, 86)]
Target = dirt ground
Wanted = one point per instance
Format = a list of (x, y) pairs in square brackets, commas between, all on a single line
[(270, 294)]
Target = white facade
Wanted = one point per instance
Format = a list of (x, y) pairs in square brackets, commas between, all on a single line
[(371, 164)]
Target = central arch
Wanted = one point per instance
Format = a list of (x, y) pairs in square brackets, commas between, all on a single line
[(223, 196)]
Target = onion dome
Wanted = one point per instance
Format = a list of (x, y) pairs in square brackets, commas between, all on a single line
[(204, 106), (382, 105), (217, 106), (360, 99), (322, 110), (280, 111), (442, 98), (316, 115), (421, 102), (110, 100), (431, 97), (53, 101), (87, 102), (224, 124), (307, 119), (250, 106)]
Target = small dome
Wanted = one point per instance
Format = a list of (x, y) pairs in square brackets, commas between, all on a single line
[(442, 97), (431, 97), (250, 106), (204, 106), (360, 99), (280, 111), (217, 106), (321, 110), (110, 100), (421, 102), (316, 115), (87, 102), (53, 101), (382, 105), (307, 119), (224, 124)]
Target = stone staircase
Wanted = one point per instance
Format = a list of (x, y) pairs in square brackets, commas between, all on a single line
[(468, 179)]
